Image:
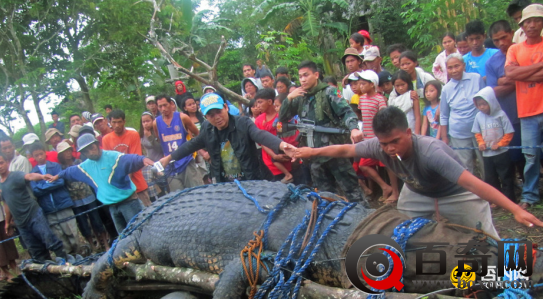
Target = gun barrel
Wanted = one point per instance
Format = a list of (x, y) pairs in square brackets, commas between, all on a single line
[(318, 129)]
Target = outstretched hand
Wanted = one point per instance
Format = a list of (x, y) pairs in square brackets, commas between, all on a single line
[(304, 152), (526, 218), (148, 162), (289, 149)]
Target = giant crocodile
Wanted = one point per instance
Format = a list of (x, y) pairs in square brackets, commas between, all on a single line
[(206, 228)]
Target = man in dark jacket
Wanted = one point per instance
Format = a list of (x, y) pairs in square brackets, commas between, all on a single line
[(230, 142), (319, 103), (54, 200), (181, 93)]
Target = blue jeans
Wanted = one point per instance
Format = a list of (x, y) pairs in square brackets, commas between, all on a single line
[(93, 217), (39, 238), (531, 136), (124, 211)]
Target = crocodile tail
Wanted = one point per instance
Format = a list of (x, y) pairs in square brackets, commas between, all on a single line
[(101, 284)]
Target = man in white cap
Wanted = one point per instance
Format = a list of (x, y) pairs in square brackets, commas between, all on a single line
[(524, 64), (32, 138), (53, 137), (372, 59), (101, 125), (150, 103)]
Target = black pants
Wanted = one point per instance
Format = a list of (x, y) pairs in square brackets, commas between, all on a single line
[(498, 168)]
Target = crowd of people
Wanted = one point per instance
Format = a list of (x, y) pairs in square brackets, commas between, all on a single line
[(444, 135)]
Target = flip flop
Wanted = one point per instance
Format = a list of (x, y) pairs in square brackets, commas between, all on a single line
[(287, 181)]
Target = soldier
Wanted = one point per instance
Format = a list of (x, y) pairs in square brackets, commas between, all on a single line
[(319, 103)]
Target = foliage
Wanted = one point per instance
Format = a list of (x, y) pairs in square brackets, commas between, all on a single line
[(388, 23), (279, 49), (428, 20)]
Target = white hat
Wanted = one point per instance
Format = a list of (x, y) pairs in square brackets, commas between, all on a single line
[(372, 53), (30, 138), (355, 76), (371, 76), (63, 146), (531, 11), (149, 99)]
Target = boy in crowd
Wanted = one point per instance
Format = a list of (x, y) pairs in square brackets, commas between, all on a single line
[(107, 172), (279, 164), (370, 103), (477, 58), (493, 130), (22, 209), (435, 178), (108, 108), (514, 11), (394, 52), (54, 200), (524, 65), (385, 84)]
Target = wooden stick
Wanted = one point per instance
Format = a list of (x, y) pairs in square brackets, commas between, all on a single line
[(205, 281)]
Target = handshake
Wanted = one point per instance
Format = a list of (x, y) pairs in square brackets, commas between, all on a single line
[(292, 153)]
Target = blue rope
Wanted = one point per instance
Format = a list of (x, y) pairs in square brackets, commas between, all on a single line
[(510, 293), (282, 285), (260, 209), (401, 235)]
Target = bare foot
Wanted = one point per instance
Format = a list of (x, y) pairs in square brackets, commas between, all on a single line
[(387, 191), (367, 191), (393, 198)]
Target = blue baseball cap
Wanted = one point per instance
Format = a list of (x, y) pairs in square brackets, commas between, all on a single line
[(211, 101)]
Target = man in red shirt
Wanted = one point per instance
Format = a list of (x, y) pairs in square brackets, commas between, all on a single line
[(279, 165), (127, 142)]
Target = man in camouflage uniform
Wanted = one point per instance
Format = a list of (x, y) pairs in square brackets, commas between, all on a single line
[(319, 103)]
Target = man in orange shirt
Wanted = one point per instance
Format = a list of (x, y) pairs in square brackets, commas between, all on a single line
[(524, 64), (127, 142)]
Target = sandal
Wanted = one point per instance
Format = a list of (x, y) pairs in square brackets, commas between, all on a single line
[(287, 181)]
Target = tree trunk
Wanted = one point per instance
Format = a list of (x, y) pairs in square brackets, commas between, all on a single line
[(20, 108), (85, 91), (41, 121)]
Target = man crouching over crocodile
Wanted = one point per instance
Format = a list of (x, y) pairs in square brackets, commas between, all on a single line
[(435, 179)]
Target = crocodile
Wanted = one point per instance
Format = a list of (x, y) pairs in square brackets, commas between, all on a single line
[(205, 229)]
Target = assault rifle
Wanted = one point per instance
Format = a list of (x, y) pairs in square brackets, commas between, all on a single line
[(307, 128)]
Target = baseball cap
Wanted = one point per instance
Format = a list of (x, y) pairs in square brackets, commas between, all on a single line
[(355, 76), (30, 138), (350, 52), (74, 131), (531, 11), (365, 34), (384, 77), (86, 129), (85, 141), (372, 53), (150, 99), (63, 146), (50, 133), (211, 101), (96, 116), (370, 76)]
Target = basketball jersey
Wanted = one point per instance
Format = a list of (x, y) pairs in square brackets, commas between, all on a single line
[(171, 137)]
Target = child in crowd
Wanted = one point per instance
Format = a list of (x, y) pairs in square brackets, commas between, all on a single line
[(352, 80), (462, 44), (370, 103), (430, 122), (330, 80), (385, 84), (54, 200), (404, 99), (493, 130)]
